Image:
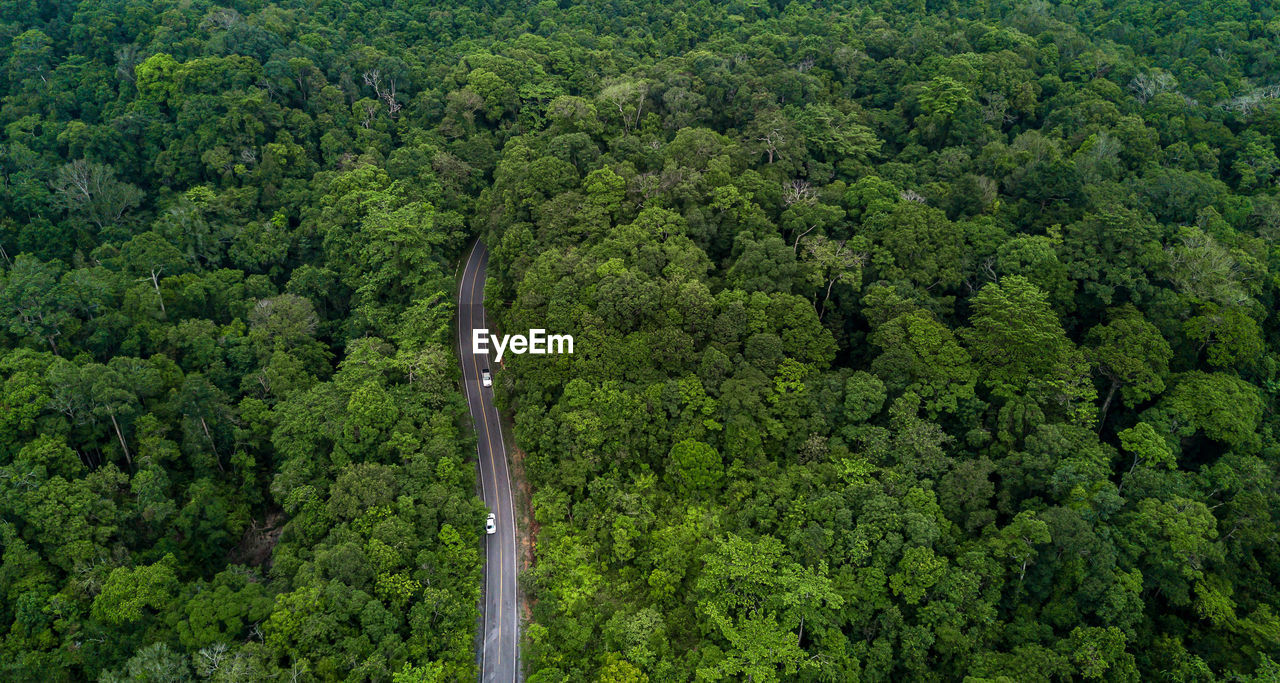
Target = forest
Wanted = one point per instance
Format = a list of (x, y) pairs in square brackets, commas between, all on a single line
[(921, 341)]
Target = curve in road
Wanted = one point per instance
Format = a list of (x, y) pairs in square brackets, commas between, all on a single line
[(499, 653)]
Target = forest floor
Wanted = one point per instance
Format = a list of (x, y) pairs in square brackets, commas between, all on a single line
[(259, 540), (526, 525)]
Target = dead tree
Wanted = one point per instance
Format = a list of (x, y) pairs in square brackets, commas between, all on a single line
[(771, 141), (373, 79)]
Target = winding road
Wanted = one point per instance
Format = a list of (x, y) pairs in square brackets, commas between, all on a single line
[(499, 648)]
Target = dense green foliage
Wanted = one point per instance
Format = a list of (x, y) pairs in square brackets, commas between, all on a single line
[(913, 341), (231, 439), (911, 344)]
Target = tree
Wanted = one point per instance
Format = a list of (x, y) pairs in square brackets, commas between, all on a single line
[(1100, 653), (918, 243), (112, 396), (755, 596), (1229, 336), (1021, 348), (1147, 446), (836, 134), (1223, 407), (156, 77), (1018, 541), (760, 650), (627, 97), (697, 465), (1035, 258), (431, 672), (130, 594), (30, 57), (91, 191), (287, 319), (1111, 254), (152, 664), (149, 255), (833, 262), (1173, 543), (918, 571), (204, 409), (35, 301), (766, 265), (1131, 354), (920, 355)]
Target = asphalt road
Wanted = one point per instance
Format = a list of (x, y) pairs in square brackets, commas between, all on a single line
[(499, 649)]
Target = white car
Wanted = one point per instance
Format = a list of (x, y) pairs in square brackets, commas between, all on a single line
[(491, 524), (485, 378)]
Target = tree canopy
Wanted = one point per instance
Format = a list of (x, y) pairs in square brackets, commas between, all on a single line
[(923, 341)]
